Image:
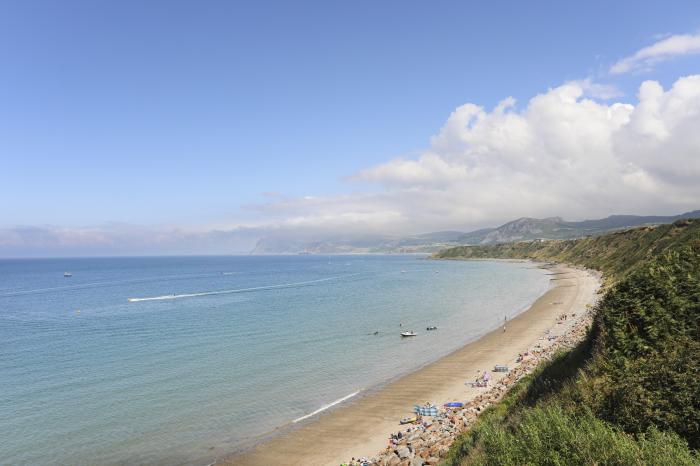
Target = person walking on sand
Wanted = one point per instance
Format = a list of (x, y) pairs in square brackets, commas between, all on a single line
[(505, 319)]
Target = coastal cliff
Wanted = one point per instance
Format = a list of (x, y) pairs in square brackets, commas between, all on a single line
[(630, 392)]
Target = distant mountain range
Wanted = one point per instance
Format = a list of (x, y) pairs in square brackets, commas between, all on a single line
[(522, 229)]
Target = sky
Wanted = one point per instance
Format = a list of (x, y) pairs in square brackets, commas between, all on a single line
[(198, 127)]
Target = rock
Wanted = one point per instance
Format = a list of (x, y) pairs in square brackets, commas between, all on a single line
[(392, 461), (403, 452), (417, 461)]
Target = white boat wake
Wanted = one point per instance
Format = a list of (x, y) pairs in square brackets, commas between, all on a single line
[(239, 290), (325, 407)]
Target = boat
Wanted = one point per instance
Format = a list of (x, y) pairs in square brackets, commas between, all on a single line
[(408, 420), (432, 327), (67, 274), (408, 334)]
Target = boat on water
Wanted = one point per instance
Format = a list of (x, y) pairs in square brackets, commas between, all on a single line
[(67, 274), (432, 327), (408, 334)]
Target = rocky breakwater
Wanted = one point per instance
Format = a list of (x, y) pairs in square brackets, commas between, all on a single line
[(428, 440)]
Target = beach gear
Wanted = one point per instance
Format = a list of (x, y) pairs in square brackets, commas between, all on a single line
[(454, 404), (408, 420), (500, 368), (478, 383), (426, 410)]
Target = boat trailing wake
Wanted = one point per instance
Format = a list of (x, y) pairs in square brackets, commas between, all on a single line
[(325, 407), (239, 290), (102, 284)]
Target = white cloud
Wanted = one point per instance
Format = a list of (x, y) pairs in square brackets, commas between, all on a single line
[(598, 90), (562, 154), (664, 49)]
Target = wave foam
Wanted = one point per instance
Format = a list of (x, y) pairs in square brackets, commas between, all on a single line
[(325, 407)]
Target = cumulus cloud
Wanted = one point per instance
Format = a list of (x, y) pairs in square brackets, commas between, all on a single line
[(564, 153), (664, 49)]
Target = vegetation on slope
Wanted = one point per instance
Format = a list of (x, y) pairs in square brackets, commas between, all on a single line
[(630, 394), (615, 254)]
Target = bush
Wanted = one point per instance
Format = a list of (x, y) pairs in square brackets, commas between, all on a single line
[(551, 436), (630, 393), (648, 347)]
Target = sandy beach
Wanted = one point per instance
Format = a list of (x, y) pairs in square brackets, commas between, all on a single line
[(362, 426)]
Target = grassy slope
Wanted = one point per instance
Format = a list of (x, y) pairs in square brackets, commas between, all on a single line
[(630, 394), (615, 254)]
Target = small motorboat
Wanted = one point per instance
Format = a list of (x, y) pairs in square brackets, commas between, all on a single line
[(432, 327), (67, 274), (408, 420), (408, 334)]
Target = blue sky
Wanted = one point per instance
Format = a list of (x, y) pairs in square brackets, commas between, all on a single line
[(185, 113)]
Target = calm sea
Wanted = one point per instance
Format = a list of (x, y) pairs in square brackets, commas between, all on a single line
[(181, 360)]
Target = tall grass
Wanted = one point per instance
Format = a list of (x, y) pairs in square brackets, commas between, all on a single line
[(552, 436)]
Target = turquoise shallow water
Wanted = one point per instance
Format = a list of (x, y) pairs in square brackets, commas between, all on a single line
[(230, 349)]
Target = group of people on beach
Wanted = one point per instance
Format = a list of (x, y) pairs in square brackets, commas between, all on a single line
[(563, 317), (481, 380), (441, 430)]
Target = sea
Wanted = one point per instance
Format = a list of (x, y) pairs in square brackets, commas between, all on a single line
[(184, 360)]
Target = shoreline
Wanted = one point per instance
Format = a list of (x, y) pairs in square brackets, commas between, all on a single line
[(361, 427)]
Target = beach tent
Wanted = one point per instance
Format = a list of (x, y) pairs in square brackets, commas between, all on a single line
[(426, 410)]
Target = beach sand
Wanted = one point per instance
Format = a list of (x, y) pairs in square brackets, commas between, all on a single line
[(362, 427)]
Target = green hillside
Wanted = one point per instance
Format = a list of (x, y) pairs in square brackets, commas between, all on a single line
[(614, 254), (629, 394)]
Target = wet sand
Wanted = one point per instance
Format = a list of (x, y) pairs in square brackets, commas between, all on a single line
[(362, 427)]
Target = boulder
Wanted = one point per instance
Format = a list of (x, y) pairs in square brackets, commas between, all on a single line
[(403, 452), (392, 461)]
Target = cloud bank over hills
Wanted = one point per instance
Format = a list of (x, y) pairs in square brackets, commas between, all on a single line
[(566, 152)]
